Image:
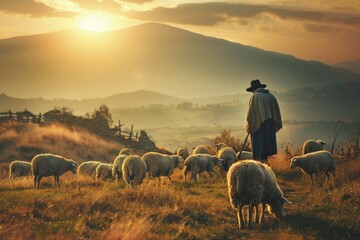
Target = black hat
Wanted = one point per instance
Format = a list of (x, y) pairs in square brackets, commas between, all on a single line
[(255, 84)]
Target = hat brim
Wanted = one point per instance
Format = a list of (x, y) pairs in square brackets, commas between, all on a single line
[(250, 89)]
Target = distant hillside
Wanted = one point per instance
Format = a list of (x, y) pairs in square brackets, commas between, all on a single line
[(75, 65), (350, 65)]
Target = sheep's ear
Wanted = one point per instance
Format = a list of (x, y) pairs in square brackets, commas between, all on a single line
[(294, 160), (193, 147), (75, 164), (286, 201)]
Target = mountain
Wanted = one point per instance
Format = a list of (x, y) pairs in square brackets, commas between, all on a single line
[(350, 65), (77, 64)]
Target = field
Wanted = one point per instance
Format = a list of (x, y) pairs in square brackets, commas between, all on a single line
[(83, 208)]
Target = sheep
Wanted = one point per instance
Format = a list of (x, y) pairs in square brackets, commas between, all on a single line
[(161, 164), (198, 163), (244, 155), (219, 146), (88, 168), (312, 146), (118, 162), (44, 165), (228, 155), (104, 172), (19, 168), (314, 163), (183, 152), (134, 170), (201, 149), (252, 183)]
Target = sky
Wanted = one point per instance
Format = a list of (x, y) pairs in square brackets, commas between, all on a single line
[(320, 30)]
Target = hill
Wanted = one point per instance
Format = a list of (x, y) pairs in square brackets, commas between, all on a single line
[(76, 64), (350, 65)]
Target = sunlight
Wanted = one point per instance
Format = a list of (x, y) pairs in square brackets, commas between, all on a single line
[(95, 22)]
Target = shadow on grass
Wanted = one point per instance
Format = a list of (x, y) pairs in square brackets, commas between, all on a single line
[(309, 223)]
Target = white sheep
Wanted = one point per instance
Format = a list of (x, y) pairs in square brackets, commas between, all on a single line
[(104, 172), (252, 183), (228, 155), (19, 168), (201, 149), (244, 155), (118, 162), (88, 168), (314, 163), (312, 146), (198, 163), (134, 170), (44, 165), (161, 164), (183, 152)]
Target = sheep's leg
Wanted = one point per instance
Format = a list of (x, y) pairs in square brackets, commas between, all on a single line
[(257, 214), (312, 179), (35, 181), (240, 216), (262, 216), (327, 177), (211, 172), (317, 180), (250, 217), (185, 172), (193, 175), (38, 182), (333, 173)]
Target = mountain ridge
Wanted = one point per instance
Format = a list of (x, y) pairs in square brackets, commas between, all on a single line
[(150, 56)]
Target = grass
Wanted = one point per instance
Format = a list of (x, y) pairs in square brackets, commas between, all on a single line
[(83, 208)]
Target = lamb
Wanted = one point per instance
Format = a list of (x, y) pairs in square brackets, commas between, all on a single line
[(118, 162), (315, 163), (161, 164), (228, 155), (244, 155), (183, 152), (19, 168), (104, 172), (201, 149), (88, 168), (312, 146), (252, 183), (198, 163), (134, 170), (44, 165)]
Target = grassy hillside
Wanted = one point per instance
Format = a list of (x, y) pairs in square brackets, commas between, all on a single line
[(86, 209)]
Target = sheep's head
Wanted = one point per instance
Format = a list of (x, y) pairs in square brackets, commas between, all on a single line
[(294, 162), (219, 146), (218, 161), (125, 151), (180, 162), (277, 208), (74, 166), (182, 152)]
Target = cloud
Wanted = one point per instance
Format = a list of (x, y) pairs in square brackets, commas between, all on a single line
[(32, 8), (212, 13), (316, 28)]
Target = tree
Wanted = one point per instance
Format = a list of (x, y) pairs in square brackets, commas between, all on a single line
[(103, 114)]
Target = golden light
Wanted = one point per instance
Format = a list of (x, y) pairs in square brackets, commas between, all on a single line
[(95, 22)]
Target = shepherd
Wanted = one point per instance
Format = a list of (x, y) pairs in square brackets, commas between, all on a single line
[(263, 121)]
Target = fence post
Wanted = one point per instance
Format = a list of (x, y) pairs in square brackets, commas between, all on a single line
[(131, 132)]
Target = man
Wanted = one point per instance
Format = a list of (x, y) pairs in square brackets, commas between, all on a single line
[(263, 121)]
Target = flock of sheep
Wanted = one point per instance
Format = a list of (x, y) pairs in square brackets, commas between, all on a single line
[(249, 182)]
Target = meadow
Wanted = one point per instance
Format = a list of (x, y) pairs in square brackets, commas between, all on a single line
[(83, 208)]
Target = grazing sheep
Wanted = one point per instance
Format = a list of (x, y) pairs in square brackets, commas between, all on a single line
[(44, 165), (88, 168), (201, 149), (312, 146), (118, 162), (198, 163), (183, 152), (315, 163), (161, 164), (104, 172), (19, 168), (252, 183), (219, 146), (228, 155), (134, 170), (244, 155)]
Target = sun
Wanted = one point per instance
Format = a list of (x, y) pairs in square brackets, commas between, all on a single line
[(95, 23)]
